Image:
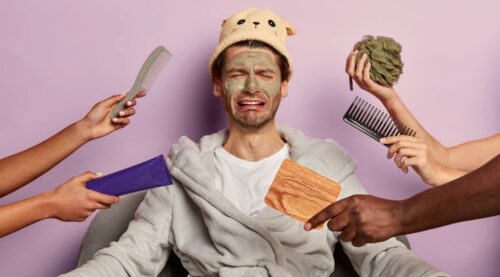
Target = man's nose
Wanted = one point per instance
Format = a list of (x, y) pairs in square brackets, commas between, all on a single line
[(251, 84)]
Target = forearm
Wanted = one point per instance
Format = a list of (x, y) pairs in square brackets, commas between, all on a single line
[(18, 215), (19, 169), (471, 155), (400, 113), (472, 196)]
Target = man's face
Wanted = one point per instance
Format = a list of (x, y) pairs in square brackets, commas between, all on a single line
[(250, 88)]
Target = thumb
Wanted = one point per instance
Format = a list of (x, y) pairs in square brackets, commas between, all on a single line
[(108, 102), (88, 176)]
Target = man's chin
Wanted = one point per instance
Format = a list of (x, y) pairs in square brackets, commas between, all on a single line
[(254, 123)]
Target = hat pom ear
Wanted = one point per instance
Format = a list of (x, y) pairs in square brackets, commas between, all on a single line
[(289, 28)]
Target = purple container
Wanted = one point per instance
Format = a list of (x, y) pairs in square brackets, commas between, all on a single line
[(147, 175)]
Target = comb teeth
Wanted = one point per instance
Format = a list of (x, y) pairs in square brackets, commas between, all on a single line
[(158, 62), (374, 122)]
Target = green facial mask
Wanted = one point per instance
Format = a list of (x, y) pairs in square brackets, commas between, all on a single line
[(247, 62)]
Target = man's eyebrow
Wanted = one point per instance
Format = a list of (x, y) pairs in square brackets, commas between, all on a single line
[(266, 70), (237, 69)]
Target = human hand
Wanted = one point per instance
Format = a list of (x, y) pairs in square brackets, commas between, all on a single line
[(72, 201), (360, 73), (97, 123), (361, 219), (410, 151)]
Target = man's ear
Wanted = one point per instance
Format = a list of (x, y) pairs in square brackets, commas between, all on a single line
[(284, 89), (217, 87)]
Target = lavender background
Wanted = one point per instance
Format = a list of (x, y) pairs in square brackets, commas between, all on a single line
[(58, 58)]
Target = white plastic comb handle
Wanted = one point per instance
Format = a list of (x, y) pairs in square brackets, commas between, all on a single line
[(150, 70)]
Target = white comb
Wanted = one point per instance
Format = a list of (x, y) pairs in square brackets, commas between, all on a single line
[(150, 70)]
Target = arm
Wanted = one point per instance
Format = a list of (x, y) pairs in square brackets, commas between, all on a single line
[(69, 202), (19, 169), (387, 258), (366, 219), (477, 152)]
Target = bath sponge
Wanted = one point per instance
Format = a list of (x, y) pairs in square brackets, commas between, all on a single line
[(384, 54)]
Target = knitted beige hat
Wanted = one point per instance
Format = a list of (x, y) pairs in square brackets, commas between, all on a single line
[(254, 24)]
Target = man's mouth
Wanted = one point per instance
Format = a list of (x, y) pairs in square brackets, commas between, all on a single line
[(251, 104)]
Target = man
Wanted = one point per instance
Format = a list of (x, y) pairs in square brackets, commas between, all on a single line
[(214, 216)]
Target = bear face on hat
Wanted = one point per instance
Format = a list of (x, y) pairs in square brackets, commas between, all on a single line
[(254, 24)]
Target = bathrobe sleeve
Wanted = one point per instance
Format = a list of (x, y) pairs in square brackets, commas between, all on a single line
[(143, 249)]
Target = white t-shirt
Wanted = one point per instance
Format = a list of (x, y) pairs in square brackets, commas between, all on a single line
[(246, 183)]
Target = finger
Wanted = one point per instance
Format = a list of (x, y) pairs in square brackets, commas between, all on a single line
[(127, 112), (348, 61), (88, 176), (366, 73), (359, 241), (131, 103), (410, 152), (397, 160), (100, 206), (348, 234), (327, 213), (103, 198), (351, 64), (398, 145), (141, 94), (360, 66), (393, 149), (110, 101), (394, 139), (410, 162), (339, 222), (120, 122)]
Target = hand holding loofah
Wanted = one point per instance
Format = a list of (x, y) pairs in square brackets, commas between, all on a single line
[(384, 54)]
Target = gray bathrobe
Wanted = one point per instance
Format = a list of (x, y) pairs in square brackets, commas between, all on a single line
[(213, 238)]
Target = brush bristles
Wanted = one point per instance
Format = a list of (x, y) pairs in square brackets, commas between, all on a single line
[(156, 67), (374, 122)]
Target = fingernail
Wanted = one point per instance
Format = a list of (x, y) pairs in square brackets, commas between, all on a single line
[(99, 174), (114, 119), (122, 113), (308, 226), (129, 103)]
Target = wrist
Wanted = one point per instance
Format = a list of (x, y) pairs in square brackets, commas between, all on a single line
[(389, 99), (402, 217), (45, 205), (83, 130), (449, 174)]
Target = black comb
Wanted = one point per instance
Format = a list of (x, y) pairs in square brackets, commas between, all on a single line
[(374, 122)]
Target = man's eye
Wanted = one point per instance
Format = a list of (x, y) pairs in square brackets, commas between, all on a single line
[(235, 75), (267, 75)]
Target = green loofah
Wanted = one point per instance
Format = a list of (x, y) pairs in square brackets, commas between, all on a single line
[(384, 53)]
